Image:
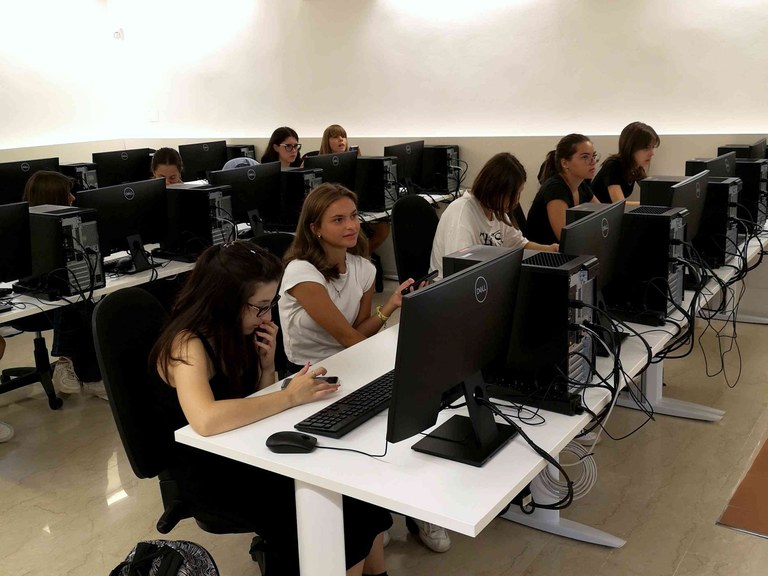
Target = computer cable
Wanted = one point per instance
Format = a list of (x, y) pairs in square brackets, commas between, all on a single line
[(566, 500), (386, 447), (584, 477)]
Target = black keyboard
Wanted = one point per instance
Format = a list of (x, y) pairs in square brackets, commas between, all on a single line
[(349, 412)]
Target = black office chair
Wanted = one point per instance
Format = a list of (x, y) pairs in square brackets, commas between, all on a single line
[(125, 326), (13, 378), (520, 220), (277, 243), (414, 221)]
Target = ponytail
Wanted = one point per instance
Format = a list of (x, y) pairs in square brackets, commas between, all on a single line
[(548, 167)]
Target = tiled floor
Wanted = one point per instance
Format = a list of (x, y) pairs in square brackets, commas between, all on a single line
[(70, 503)]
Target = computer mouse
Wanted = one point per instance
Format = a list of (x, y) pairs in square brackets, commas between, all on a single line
[(291, 442)]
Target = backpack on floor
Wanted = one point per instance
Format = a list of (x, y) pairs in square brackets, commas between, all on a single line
[(167, 558)]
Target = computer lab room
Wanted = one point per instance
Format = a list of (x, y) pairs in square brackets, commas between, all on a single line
[(383, 287)]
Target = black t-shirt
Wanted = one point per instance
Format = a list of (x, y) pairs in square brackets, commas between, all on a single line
[(538, 228), (611, 174)]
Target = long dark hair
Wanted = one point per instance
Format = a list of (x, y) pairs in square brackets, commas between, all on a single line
[(211, 305), (565, 150), (498, 186), (306, 245), (635, 136), (48, 187), (279, 136), (167, 156)]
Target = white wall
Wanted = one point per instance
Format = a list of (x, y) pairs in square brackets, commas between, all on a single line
[(382, 68)]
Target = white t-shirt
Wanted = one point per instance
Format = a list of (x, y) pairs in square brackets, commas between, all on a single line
[(464, 224), (304, 339)]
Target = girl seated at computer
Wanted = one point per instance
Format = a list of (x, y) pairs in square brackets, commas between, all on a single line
[(335, 140), (284, 146), (620, 171), (484, 215), (564, 177), (218, 348), (166, 163)]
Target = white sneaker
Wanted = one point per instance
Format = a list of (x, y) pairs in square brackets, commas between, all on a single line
[(434, 537), (64, 378), (96, 389), (6, 432), (387, 538)]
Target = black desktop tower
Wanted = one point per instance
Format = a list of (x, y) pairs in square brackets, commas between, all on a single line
[(718, 236), (241, 151), (198, 217), (65, 251), (548, 354), (440, 169), (469, 256), (296, 184), (580, 210), (376, 183), (648, 280), (753, 199), (742, 150), (83, 173)]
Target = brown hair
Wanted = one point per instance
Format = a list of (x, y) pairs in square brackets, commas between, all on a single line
[(211, 305), (279, 136), (306, 245), (332, 131), (48, 187), (565, 150), (498, 186), (635, 136), (167, 156)]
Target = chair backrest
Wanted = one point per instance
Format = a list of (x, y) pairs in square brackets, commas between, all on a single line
[(125, 326), (414, 222), (522, 223)]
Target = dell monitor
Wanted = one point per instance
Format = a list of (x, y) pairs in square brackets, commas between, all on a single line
[(723, 166), (253, 188), (14, 176), (690, 193), (122, 166), (129, 216), (471, 311), (338, 168), (15, 242), (200, 159), (409, 162)]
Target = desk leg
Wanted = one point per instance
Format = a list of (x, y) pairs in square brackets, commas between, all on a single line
[(320, 519), (651, 385), (551, 521)]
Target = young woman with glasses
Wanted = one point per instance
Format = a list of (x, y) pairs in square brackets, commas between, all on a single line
[(284, 146), (620, 171), (216, 350), (564, 177)]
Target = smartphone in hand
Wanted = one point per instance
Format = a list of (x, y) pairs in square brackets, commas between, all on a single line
[(416, 285)]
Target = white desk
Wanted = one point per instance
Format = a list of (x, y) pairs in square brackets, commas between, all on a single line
[(462, 498), (431, 198)]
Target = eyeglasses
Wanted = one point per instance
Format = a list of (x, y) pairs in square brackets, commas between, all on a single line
[(291, 147), (589, 159), (261, 310)]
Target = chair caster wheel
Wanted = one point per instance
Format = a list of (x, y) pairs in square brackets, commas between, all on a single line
[(55, 403)]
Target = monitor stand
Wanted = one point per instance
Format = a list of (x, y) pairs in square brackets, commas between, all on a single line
[(470, 440), (138, 256)]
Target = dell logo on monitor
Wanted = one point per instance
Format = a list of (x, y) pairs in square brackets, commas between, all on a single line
[(605, 227), (128, 193), (698, 190), (205, 147), (124, 156), (407, 148), (251, 174), (481, 289), (24, 167), (335, 161)]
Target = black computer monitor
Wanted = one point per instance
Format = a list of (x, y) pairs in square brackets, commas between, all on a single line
[(14, 176), (122, 166), (596, 234), (15, 242), (690, 193), (757, 150), (409, 161), (339, 168), (253, 188), (129, 216), (478, 301), (202, 158), (723, 166)]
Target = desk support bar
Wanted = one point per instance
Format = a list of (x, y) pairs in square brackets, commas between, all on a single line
[(551, 521), (320, 520), (651, 385)]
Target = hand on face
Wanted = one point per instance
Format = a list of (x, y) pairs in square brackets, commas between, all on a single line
[(264, 338)]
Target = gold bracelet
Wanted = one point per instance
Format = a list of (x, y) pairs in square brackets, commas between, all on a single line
[(381, 315)]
